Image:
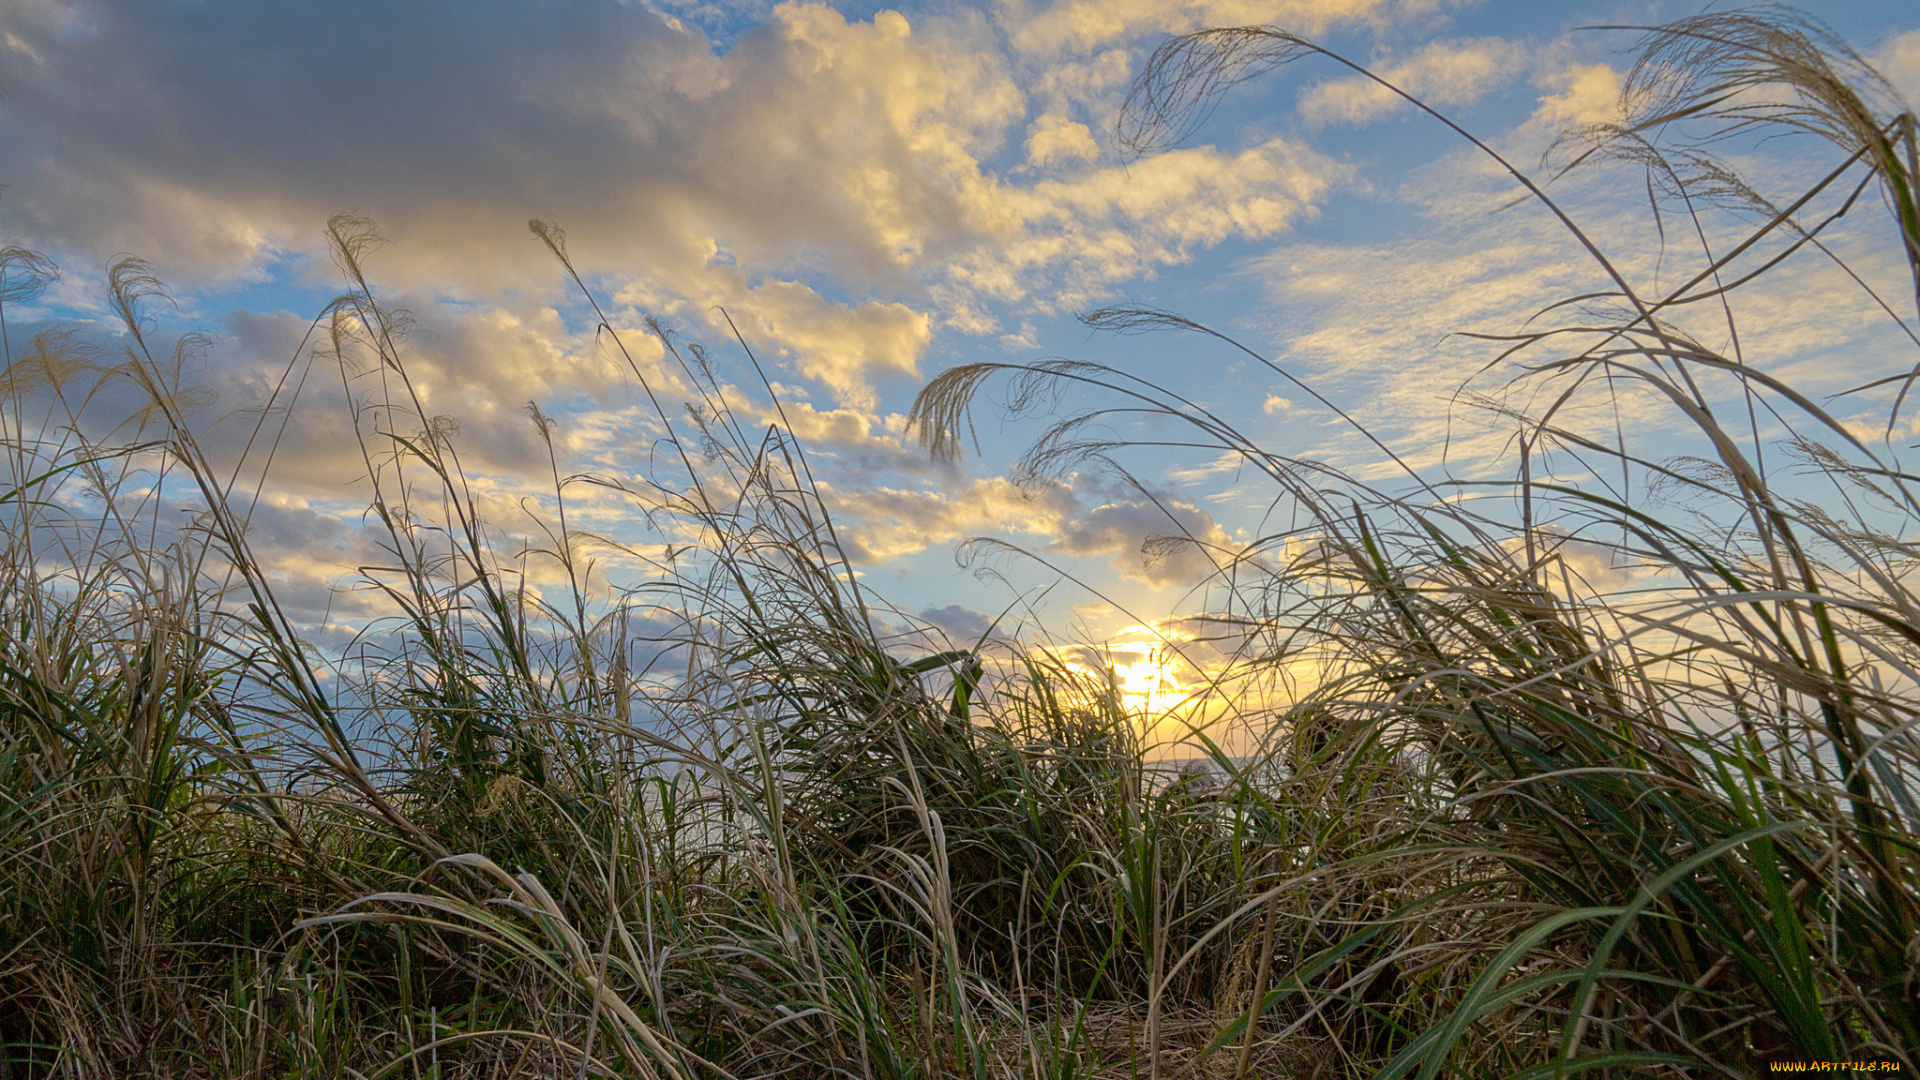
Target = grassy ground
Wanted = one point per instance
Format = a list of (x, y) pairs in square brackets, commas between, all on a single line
[(721, 827)]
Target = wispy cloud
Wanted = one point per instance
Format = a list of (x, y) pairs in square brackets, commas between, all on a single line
[(1440, 73), (1070, 26)]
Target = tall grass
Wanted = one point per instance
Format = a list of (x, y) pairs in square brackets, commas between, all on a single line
[(721, 823), (1672, 827)]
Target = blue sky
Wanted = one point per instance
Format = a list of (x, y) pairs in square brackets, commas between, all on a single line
[(873, 195)]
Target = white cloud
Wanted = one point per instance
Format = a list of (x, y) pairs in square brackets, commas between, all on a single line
[(1899, 61), (880, 523), (855, 194), (480, 365), (214, 139), (1442, 73), (1107, 225), (1583, 94), (841, 345), (858, 443), (1054, 139), (1070, 26)]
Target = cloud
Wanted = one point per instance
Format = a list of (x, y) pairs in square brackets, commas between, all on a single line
[(881, 523), (1143, 539), (841, 345), (1442, 73), (1584, 94), (1161, 542), (855, 194), (963, 626), (215, 137), (270, 393), (1899, 61), (1107, 225), (1380, 328), (854, 442), (480, 366), (1054, 139), (1078, 26)]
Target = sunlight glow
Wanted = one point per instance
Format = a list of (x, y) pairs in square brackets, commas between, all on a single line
[(1149, 685)]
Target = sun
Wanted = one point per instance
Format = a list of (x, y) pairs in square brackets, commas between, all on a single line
[(1148, 684)]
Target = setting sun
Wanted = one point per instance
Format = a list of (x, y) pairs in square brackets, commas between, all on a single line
[(1148, 685)]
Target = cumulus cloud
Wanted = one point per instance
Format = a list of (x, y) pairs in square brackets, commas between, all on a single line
[(841, 345), (1054, 138), (857, 443), (274, 399), (308, 552), (216, 137), (855, 194), (478, 366), (1581, 94), (1161, 542)]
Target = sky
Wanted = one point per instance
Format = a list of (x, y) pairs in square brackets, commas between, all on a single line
[(871, 196)]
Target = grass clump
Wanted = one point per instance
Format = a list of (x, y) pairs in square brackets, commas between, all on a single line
[(1491, 820)]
